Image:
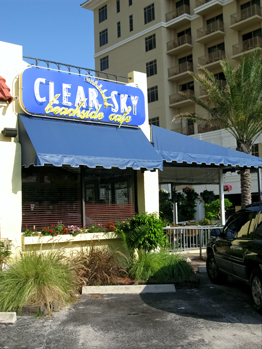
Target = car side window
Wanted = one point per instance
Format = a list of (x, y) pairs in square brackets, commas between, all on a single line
[(256, 225), (231, 227), (245, 223)]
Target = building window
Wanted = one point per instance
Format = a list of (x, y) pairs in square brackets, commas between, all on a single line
[(187, 86), (118, 29), (103, 37), (117, 6), (183, 60), (131, 23), (255, 150), (130, 2), (104, 63), (151, 68), (102, 13), (216, 48), (152, 94), (150, 42), (154, 121), (149, 13)]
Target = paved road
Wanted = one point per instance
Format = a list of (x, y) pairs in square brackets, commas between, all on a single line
[(206, 317)]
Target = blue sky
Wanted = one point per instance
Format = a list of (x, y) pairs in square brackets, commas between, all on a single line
[(55, 30)]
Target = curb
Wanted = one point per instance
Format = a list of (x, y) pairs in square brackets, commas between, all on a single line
[(129, 289), (7, 318)]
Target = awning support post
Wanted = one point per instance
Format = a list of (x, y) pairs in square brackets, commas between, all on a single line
[(221, 195), (259, 184), (83, 204)]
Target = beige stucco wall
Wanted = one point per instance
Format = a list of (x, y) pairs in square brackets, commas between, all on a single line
[(11, 64)]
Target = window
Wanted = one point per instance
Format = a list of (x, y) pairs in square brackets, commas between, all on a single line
[(184, 32), (219, 47), (252, 34), (131, 23), (118, 29), (152, 94), (149, 13), (102, 13), (117, 6), (187, 86), (255, 150), (220, 76), (154, 121), (130, 2), (151, 68), (104, 64), (248, 4), (188, 58), (103, 37), (150, 42), (214, 19)]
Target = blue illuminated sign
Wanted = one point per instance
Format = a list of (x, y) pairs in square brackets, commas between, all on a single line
[(58, 94)]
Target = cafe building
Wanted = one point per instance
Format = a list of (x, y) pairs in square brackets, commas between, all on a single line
[(75, 149)]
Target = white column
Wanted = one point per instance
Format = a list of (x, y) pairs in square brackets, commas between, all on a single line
[(147, 182), (221, 196)]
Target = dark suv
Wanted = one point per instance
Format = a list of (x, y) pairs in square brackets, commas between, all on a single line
[(237, 251)]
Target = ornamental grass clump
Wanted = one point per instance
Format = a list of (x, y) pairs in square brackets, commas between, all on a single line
[(160, 267), (37, 278), (99, 265)]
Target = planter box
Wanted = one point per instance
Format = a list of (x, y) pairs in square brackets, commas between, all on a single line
[(42, 240)]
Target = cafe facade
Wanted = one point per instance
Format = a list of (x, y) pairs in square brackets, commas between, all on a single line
[(75, 149)]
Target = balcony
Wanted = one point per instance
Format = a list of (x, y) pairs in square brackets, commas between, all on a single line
[(203, 128), (179, 45), (210, 32), (178, 100), (204, 7), (246, 46), (246, 17), (179, 71), (212, 60), (202, 90), (178, 17)]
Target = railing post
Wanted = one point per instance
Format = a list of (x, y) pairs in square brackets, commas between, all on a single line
[(201, 240)]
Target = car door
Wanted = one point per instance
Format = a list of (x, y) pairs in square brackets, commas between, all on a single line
[(241, 241), (222, 245)]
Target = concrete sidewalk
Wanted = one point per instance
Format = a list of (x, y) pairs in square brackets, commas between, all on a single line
[(193, 257)]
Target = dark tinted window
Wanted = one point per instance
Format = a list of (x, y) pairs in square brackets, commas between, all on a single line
[(102, 13), (150, 42), (149, 13)]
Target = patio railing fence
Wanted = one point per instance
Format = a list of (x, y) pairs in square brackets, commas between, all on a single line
[(182, 238)]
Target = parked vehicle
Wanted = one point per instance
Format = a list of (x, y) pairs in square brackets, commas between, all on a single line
[(237, 250)]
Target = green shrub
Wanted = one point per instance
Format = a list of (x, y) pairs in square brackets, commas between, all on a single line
[(44, 279), (4, 252), (212, 210), (143, 231), (160, 267)]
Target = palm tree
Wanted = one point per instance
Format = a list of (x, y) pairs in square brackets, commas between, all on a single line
[(236, 106)]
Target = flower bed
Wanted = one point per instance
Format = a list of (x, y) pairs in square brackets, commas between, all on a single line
[(35, 240)]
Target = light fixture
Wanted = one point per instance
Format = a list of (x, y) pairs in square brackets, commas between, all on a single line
[(9, 132)]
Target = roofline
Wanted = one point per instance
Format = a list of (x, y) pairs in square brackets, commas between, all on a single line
[(92, 4)]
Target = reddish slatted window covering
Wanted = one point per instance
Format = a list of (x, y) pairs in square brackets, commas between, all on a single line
[(109, 195), (50, 195)]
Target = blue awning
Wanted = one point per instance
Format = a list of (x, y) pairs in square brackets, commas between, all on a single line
[(59, 142), (178, 148)]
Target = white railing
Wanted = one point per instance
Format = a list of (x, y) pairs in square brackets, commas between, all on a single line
[(188, 237)]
